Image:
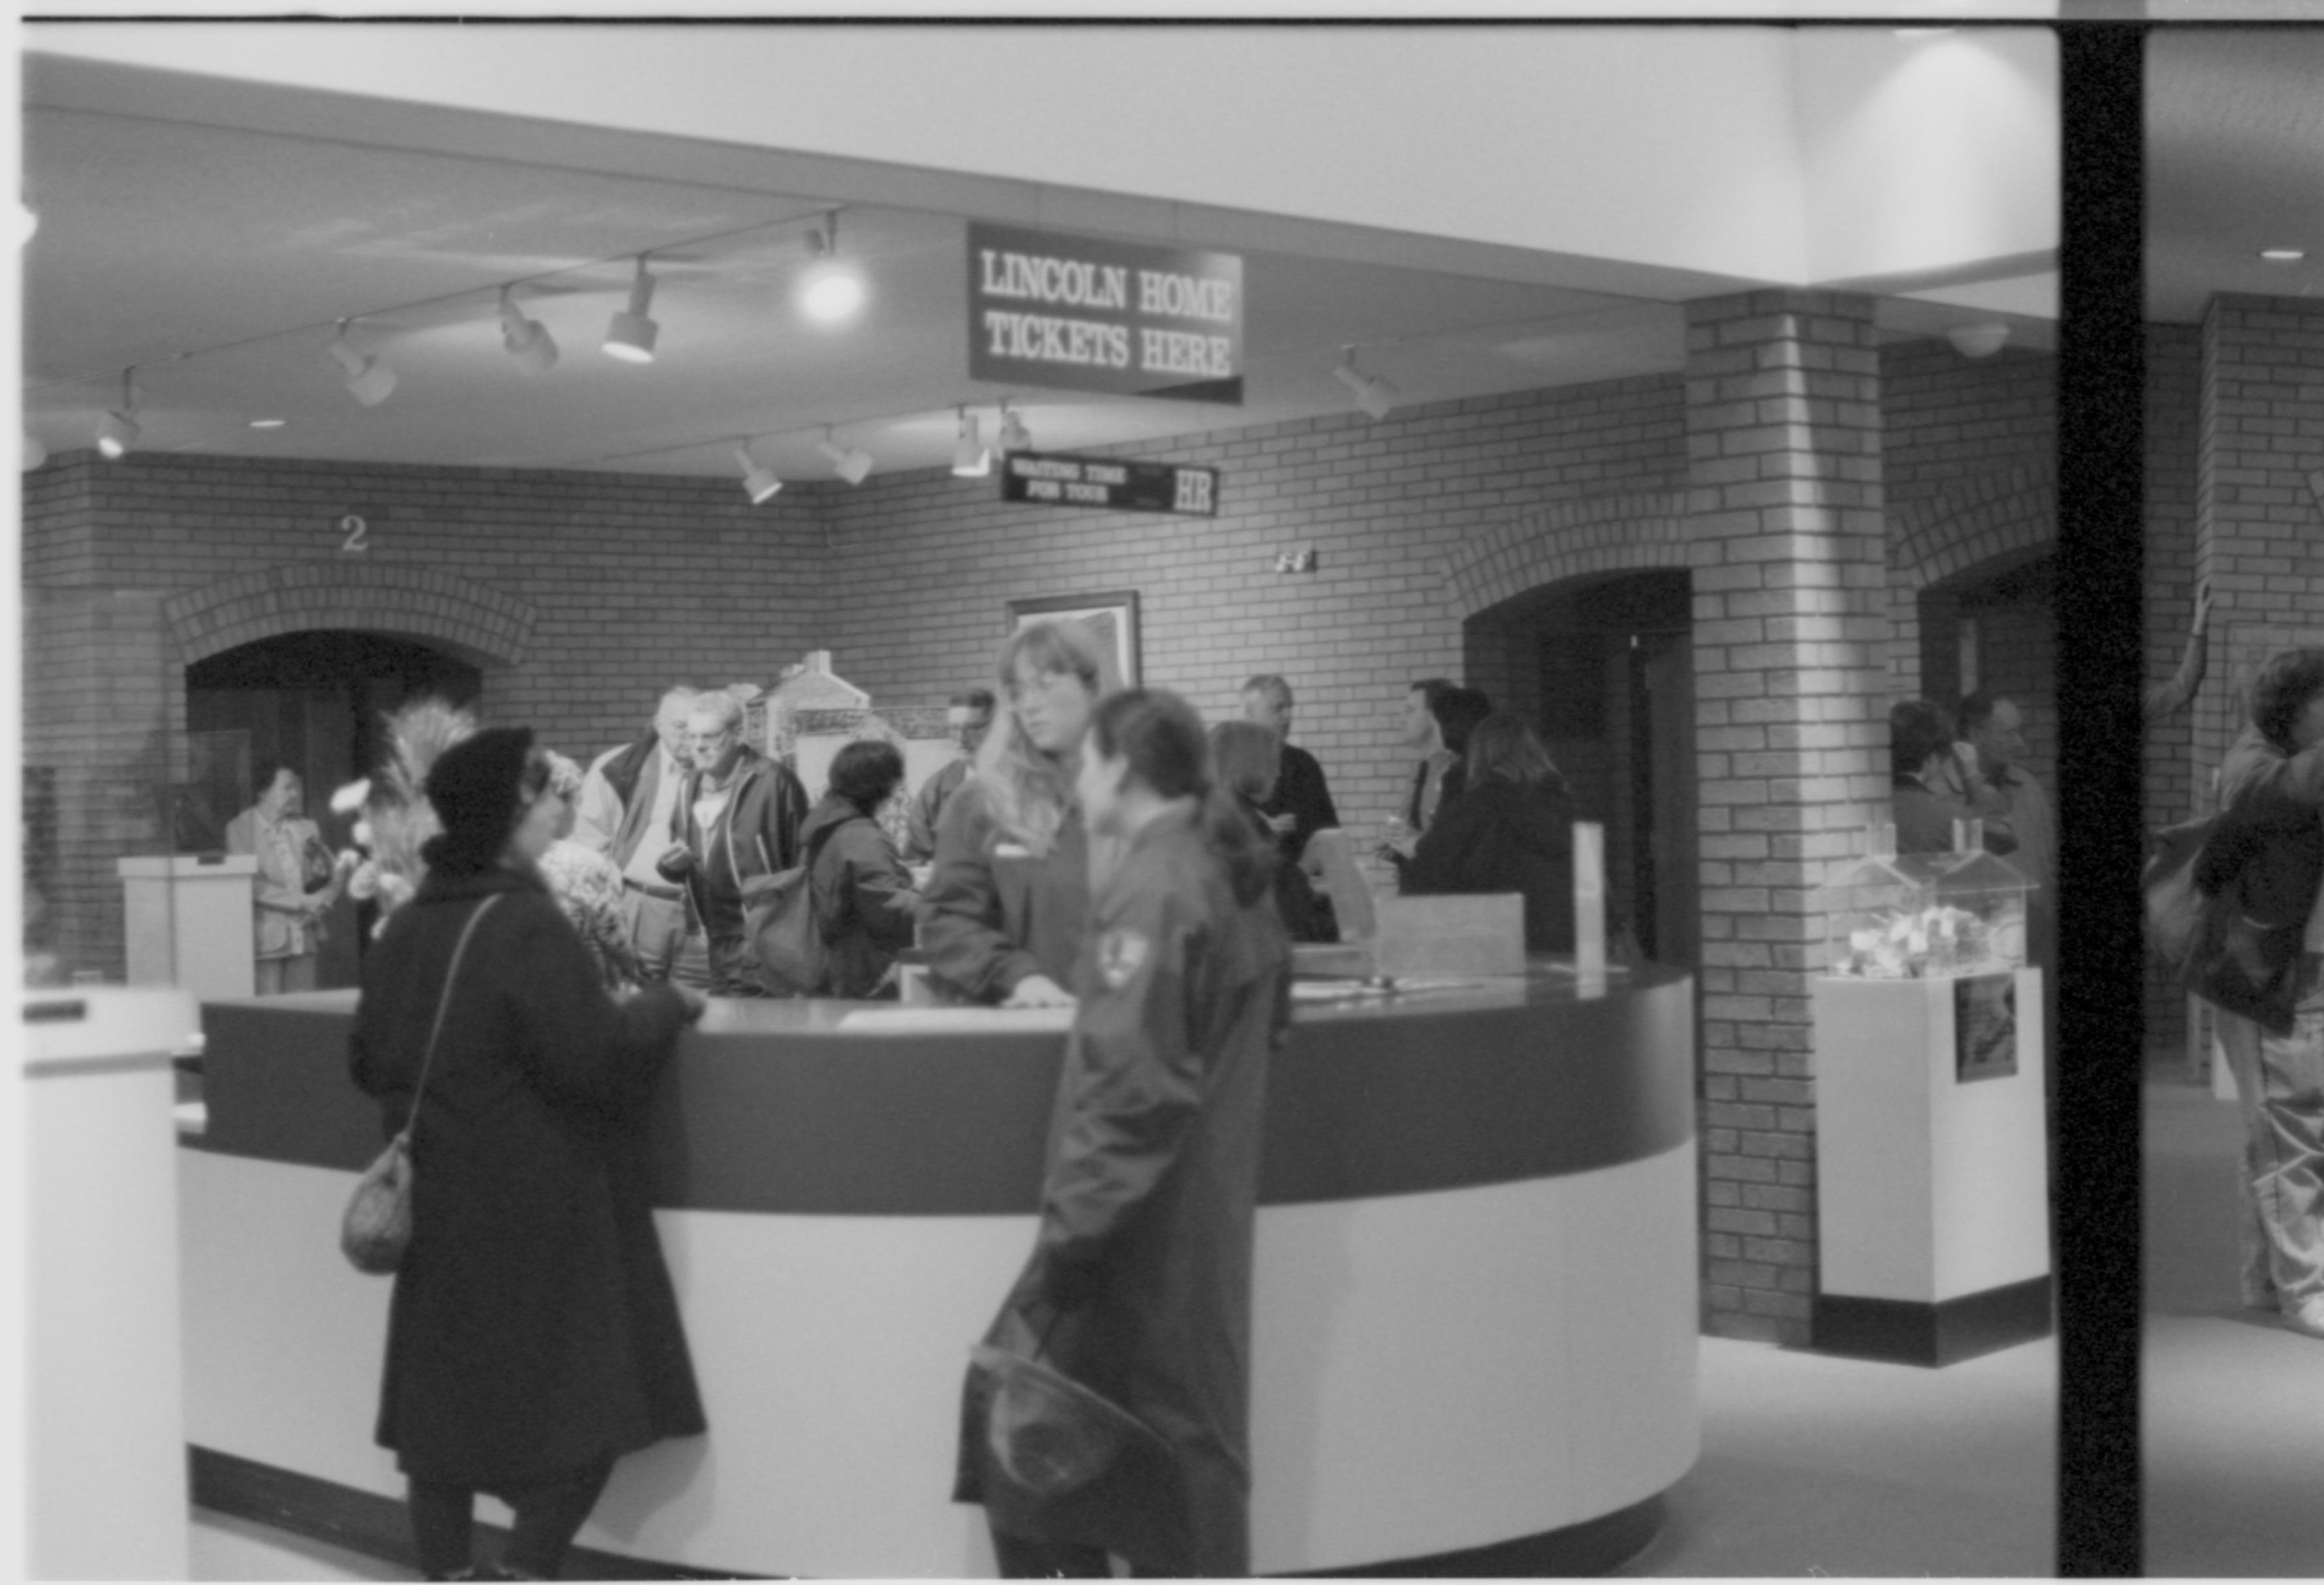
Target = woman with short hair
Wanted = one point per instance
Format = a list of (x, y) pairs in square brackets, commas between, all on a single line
[(532, 1334), (298, 879), (861, 894)]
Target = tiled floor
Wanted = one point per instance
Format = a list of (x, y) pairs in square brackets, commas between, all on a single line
[(1810, 1466), (2232, 1410)]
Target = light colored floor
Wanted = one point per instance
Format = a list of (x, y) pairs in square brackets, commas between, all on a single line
[(1810, 1466), (2232, 1403)]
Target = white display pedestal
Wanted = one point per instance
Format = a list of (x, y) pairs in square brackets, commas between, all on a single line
[(1933, 1195), (105, 1432), (188, 923)]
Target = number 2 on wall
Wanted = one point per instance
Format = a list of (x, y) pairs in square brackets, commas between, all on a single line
[(357, 532)]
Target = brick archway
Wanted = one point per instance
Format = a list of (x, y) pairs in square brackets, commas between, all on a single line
[(1547, 545), (1976, 527), (477, 623)]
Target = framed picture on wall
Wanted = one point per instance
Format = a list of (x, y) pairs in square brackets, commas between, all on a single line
[(1112, 618)]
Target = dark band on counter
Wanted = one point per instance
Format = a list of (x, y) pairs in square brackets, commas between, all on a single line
[(826, 1124)]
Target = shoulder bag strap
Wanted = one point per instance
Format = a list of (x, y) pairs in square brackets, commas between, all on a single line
[(443, 1004)]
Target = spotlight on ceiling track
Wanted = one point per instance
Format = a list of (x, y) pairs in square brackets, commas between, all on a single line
[(970, 459), (1014, 436), (758, 480), (1980, 340), (369, 380), (629, 335), (851, 463), (117, 432), (528, 341), (832, 287), (1376, 396)]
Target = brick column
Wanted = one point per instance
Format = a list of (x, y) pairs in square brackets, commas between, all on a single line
[(1791, 629)]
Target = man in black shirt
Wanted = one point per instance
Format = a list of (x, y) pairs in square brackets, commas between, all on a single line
[(1301, 805)]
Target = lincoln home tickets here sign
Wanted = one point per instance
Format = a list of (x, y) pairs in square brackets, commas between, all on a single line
[(1077, 313)]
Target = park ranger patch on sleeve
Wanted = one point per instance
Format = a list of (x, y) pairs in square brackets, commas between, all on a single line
[(1120, 955)]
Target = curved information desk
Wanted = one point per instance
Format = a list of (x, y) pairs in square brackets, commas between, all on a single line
[(1475, 1329)]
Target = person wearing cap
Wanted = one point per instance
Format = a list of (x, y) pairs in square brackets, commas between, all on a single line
[(533, 1336)]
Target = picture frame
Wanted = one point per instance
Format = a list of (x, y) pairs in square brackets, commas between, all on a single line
[(1112, 618), (1985, 1028)]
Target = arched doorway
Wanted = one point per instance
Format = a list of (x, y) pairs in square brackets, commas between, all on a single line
[(1993, 628), (1604, 665), (314, 701)]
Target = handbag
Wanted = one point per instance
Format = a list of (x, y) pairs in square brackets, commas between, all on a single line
[(316, 863), (784, 926), (1047, 1433), (377, 1228)]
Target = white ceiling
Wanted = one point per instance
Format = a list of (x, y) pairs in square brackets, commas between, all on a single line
[(212, 239), (2235, 163)]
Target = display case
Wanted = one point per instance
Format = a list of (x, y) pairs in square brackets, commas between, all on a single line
[(1923, 915)]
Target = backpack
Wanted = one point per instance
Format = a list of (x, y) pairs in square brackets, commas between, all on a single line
[(786, 928)]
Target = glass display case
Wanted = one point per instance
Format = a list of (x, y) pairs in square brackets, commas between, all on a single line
[(1923, 915)]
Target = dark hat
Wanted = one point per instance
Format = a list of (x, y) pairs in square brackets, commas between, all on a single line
[(476, 786)]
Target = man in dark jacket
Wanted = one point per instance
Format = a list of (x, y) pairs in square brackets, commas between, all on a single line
[(736, 826), (1301, 804), (865, 903)]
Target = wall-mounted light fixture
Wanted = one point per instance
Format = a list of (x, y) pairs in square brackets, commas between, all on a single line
[(1980, 340), (369, 380), (528, 341), (832, 287), (758, 480), (629, 335), (970, 458), (117, 431), (1376, 396)]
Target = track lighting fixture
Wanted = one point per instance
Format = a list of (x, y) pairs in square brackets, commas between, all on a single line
[(832, 287), (1980, 340), (851, 463), (528, 341), (117, 432), (1014, 436), (1376, 396), (970, 459), (629, 336), (369, 380), (758, 480)]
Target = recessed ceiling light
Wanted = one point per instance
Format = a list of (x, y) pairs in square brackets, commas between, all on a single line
[(268, 423), (2283, 256)]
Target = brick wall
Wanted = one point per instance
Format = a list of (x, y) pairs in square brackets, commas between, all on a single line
[(2173, 409), (1792, 694), (631, 579)]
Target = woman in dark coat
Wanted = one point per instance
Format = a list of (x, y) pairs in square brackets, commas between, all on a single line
[(1248, 757), (864, 897), (1139, 1287), (533, 1335), (1511, 829)]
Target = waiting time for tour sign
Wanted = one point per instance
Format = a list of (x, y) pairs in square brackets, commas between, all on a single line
[(1109, 485), (1079, 313)]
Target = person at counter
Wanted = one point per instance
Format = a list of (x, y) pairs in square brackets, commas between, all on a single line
[(297, 883), (1924, 762), (1246, 756), (1140, 1284), (533, 1335), (586, 886), (1511, 828), (737, 826), (863, 901), (967, 718), (1300, 804), (624, 811), (1008, 898)]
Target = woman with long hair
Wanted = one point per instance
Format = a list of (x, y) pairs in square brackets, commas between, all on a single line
[(1511, 829), (532, 1335), (1008, 898), (1139, 1287)]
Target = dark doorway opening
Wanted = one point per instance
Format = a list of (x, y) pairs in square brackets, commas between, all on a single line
[(1604, 667), (316, 702)]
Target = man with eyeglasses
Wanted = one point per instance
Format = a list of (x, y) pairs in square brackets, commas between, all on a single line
[(967, 718), (736, 826)]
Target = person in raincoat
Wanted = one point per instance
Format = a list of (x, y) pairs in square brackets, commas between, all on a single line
[(863, 900), (532, 1334), (1140, 1284), (1008, 898)]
